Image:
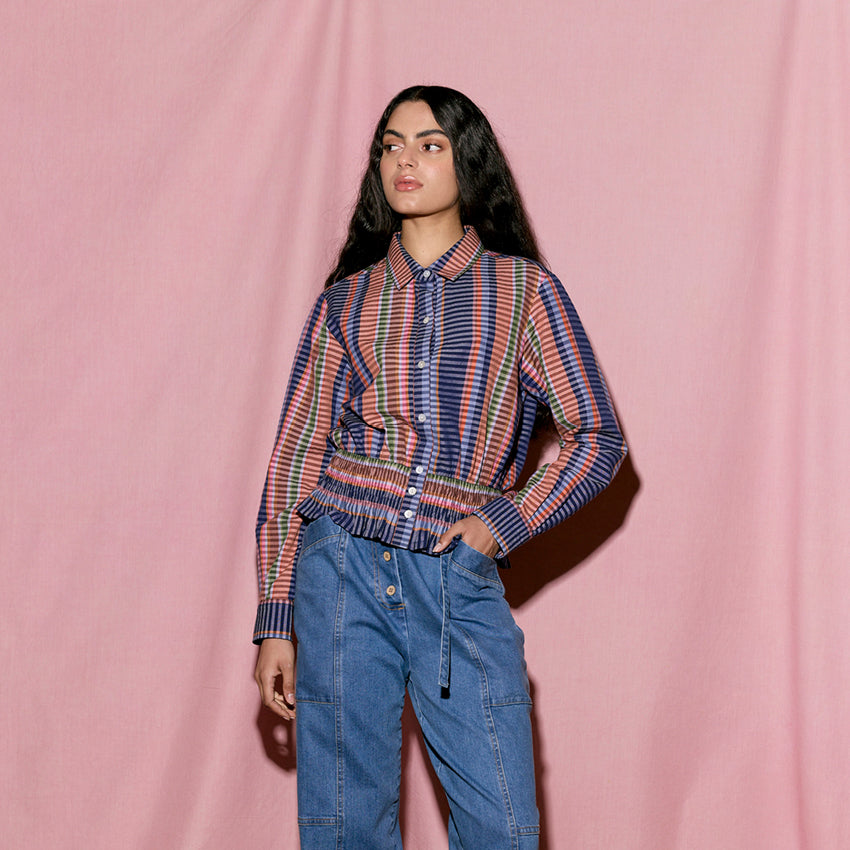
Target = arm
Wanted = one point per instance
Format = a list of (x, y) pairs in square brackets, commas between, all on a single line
[(558, 368), (311, 409)]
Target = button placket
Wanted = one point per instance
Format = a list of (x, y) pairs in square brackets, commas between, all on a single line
[(420, 375)]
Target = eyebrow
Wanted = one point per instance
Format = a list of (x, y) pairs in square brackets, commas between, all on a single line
[(435, 132)]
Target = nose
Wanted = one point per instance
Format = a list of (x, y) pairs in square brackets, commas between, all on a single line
[(406, 158)]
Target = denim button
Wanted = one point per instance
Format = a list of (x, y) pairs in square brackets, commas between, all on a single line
[(391, 590), (387, 556)]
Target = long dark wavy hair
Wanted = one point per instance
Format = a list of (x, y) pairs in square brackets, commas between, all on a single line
[(489, 198)]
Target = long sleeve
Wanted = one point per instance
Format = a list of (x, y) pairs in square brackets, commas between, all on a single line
[(558, 368), (311, 409), (408, 408)]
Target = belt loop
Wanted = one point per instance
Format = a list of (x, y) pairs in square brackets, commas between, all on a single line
[(446, 630)]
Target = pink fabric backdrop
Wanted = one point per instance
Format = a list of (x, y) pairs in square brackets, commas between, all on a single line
[(174, 180)]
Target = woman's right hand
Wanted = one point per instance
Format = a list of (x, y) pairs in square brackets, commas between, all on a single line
[(277, 658)]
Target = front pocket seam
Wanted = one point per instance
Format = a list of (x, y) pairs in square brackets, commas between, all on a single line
[(496, 582)]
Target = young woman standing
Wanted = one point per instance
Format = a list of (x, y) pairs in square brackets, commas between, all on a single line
[(405, 425)]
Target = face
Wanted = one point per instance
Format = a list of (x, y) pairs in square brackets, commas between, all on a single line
[(417, 169)]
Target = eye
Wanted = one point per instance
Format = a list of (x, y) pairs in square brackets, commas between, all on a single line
[(390, 147), (432, 146)]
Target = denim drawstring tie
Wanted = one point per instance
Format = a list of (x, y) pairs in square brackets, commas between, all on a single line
[(446, 630)]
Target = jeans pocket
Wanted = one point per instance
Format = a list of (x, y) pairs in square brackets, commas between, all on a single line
[(318, 770), (318, 530), (475, 564)]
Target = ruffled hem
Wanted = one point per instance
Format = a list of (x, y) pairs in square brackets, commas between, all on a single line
[(366, 497)]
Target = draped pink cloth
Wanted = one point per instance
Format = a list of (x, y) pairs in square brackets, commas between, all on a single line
[(174, 182)]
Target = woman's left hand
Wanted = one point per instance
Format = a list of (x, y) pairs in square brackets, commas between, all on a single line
[(473, 532)]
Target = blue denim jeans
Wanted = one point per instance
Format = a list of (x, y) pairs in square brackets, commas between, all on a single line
[(372, 620)]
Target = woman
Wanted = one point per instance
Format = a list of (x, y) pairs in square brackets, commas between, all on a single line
[(405, 425)]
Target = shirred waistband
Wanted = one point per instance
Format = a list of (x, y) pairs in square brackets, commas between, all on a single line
[(365, 496)]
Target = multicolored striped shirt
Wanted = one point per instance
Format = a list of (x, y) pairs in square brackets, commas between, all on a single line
[(411, 405)]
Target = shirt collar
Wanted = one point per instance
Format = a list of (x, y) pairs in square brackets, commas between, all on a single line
[(450, 266)]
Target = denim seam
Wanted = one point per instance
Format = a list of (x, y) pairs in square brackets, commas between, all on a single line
[(494, 738), (314, 543), (335, 531), (497, 583), (461, 545), (519, 699), (340, 778)]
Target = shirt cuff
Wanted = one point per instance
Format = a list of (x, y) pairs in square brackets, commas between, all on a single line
[(274, 620), (503, 519)]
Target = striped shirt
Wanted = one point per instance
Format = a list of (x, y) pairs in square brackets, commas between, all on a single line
[(411, 404)]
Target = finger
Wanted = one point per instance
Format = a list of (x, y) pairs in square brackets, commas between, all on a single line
[(276, 658), (275, 701), (439, 545), (288, 681), (447, 536), (283, 707)]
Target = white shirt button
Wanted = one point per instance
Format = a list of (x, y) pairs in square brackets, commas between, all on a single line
[(420, 364), (411, 490), (426, 274), (422, 417), (426, 320), (408, 514), (420, 470)]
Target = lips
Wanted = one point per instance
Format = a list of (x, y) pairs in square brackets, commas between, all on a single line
[(406, 184)]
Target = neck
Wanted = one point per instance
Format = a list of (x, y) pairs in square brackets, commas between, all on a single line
[(426, 239)]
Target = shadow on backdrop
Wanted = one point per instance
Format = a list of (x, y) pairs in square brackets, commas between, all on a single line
[(278, 737), (542, 560), (548, 556)]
